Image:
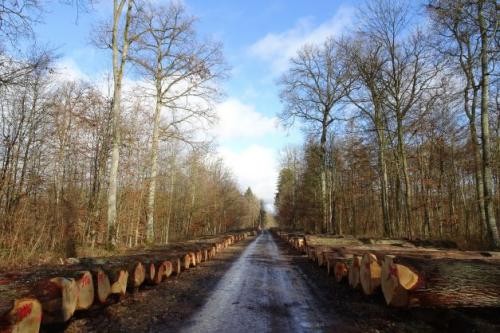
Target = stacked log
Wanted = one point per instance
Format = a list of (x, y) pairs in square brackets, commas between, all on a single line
[(353, 274), (407, 274), (136, 274), (86, 291), (53, 294), (103, 286), (338, 265), (23, 315), (369, 273), (331, 241), (58, 297), (297, 241), (438, 281), (318, 254)]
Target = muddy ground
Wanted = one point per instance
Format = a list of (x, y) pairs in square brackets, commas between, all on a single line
[(177, 303)]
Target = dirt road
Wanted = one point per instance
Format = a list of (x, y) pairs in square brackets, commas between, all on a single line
[(263, 292)]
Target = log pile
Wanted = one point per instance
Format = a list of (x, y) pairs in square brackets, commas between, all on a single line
[(52, 294), (407, 273)]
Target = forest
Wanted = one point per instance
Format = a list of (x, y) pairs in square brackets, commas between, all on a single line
[(401, 116), (403, 126), (89, 167)]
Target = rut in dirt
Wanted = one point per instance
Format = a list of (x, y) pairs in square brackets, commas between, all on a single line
[(262, 292)]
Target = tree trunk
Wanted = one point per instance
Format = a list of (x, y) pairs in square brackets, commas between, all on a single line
[(150, 234), (406, 177), (119, 59), (323, 168), (388, 232), (170, 205), (485, 127), (471, 113)]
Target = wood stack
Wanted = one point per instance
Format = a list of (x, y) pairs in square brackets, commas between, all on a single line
[(52, 294), (406, 273)]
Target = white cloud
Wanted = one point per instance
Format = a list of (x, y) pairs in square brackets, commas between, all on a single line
[(255, 166), (278, 48), (68, 70), (240, 121)]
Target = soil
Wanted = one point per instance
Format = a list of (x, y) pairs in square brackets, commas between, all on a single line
[(191, 302)]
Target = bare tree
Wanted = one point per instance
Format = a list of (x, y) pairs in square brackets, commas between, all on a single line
[(485, 10), (120, 43), (366, 60), (408, 73), (183, 71), (17, 19), (311, 91), (469, 26)]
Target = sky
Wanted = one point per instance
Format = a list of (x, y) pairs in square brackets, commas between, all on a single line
[(259, 38)]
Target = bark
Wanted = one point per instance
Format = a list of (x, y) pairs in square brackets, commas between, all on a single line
[(384, 194), (485, 127), (407, 197), (478, 175), (154, 167), (170, 206), (119, 59), (470, 106), (330, 241), (323, 168)]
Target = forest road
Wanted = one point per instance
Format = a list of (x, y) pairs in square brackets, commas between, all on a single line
[(264, 292)]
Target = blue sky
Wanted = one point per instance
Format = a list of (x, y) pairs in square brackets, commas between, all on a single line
[(258, 36)]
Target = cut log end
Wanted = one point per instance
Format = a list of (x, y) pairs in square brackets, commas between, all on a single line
[(396, 280), (369, 272), (340, 271), (353, 276), (137, 276), (119, 285), (151, 272), (86, 291), (168, 268), (192, 259), (103, 285), (58, 297), (199, 257), (186, 261), (394, 293), (176, 266), (25, 316)]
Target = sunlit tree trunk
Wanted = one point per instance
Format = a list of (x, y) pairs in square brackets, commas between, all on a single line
[(150, 232), (119, 59), (485, 128)]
